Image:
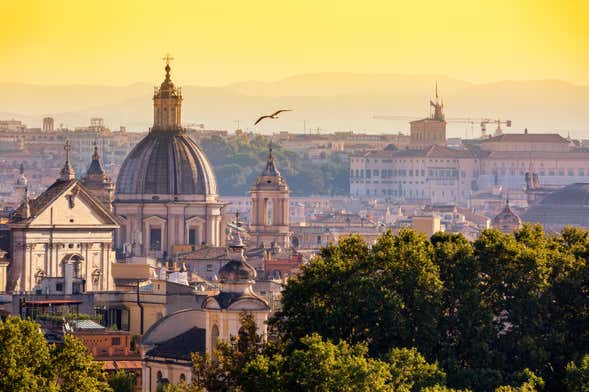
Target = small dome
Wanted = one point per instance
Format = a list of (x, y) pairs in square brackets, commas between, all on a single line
[(236, 270), (166, 163), (507, 217)]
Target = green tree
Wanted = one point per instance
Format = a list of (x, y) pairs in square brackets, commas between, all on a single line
[(388, 295), (411, 372), (27, 363), (323, 366), (223, 371), (122, 381), (75, 368), (577, 375)]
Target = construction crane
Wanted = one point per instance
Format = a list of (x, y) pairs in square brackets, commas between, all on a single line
[(498, 131), (482, 122)]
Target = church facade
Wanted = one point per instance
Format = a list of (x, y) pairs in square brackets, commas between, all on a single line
[(166, 192), (61, 241)]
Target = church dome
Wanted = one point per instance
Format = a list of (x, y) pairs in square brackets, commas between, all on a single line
[(235, 271), (506, 220), (166, 163)]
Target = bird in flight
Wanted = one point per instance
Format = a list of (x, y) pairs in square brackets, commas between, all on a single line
[(273, 116)]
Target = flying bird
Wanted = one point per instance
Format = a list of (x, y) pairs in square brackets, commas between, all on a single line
[(273, 116)]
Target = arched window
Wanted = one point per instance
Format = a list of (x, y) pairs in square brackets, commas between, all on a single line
[(269, 212), (182, 377), (214, 336), (159, 376)]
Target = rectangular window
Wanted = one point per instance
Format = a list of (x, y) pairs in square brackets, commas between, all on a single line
[(115, 341), (155, 238), (59, 287), (318, 240), (209, 267), (192, 236)]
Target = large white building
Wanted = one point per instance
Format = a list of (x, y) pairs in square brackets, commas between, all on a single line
[(437, 174)]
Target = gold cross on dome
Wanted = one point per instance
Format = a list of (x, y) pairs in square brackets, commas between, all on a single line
[(167, 58)]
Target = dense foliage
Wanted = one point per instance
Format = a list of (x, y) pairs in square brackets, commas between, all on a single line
[(489, 312), (247, 363), (238, 161), (122, 381), (28, 363)]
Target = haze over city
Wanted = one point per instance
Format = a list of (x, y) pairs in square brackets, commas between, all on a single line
[(273, 196)]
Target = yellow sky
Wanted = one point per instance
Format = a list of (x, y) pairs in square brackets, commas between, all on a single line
[(217, 42)]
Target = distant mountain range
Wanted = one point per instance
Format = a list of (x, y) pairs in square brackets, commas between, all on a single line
[(329, 101)]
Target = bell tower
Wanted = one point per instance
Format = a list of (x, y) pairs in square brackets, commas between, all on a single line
[(270, 207)]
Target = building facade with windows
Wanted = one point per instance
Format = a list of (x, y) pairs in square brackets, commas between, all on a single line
[(62, 241), (438, 174)]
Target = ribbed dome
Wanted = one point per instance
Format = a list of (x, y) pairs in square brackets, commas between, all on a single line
[(506, 217), (236, 270), (166, 163)]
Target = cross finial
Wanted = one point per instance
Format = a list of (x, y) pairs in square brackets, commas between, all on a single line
[(67, 147), (167, 58)]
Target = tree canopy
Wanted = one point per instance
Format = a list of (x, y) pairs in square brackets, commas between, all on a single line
[(485, 311), (28, 363)]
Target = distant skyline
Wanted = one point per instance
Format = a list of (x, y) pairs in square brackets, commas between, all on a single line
[(218, 43)]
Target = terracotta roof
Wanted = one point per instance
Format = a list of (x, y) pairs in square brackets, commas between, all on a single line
[(52, 193), (206, 253), (47, 302), (536, 155), (181, 346), (527, 138), (434, 151), (40, 203)]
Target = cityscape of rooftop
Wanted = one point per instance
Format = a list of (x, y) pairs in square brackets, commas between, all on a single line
[(407, 211)]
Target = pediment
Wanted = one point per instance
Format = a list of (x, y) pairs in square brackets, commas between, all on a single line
[(71, 206)]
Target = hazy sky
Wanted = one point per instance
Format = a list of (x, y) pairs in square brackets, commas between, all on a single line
[(216, 42)]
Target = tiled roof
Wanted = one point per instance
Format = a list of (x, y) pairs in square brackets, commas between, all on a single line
[(528, 138), (181, 346), (51, 194), (574, 194), (206, 253), (87, 324), (536, 155), (40, 203), (434, 151)]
